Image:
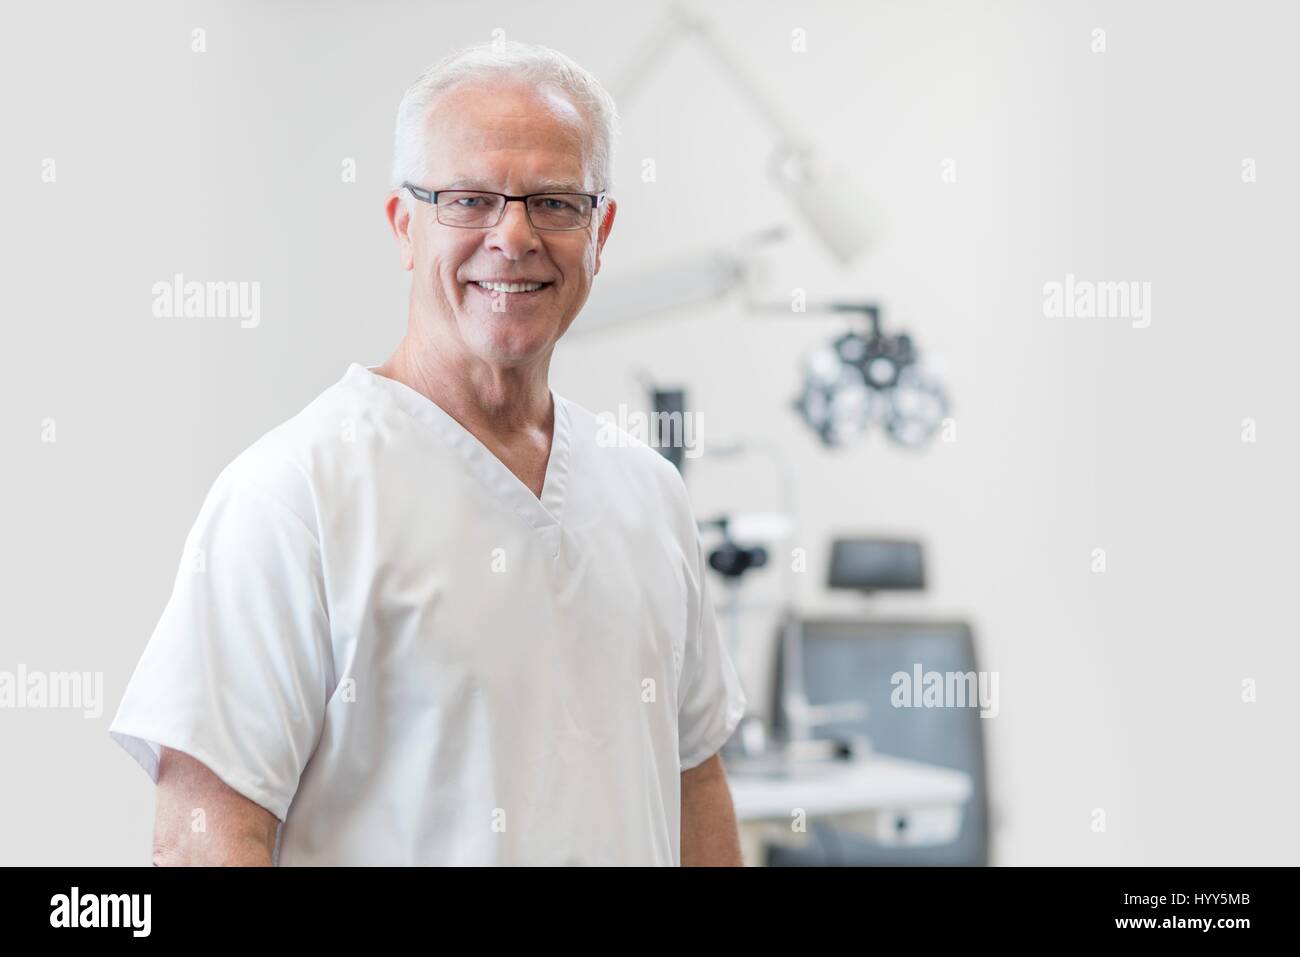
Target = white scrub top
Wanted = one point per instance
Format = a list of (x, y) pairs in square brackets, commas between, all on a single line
[(382, 636)]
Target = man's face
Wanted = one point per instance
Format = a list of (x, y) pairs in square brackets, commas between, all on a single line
[(512, 139)]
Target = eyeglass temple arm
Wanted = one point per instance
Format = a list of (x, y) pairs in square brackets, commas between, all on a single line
[(426, 195)]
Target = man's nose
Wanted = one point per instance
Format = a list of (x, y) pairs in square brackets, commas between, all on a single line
[(514, 235)]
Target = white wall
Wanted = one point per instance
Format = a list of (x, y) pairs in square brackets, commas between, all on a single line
[(1119, 691)]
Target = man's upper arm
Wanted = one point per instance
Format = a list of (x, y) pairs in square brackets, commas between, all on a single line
[(709, 834), (228, 828)]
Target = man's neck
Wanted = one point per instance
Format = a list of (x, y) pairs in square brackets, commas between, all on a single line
[(481, 397)]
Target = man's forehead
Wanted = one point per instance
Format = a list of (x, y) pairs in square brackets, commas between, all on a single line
[(509, 117), (506, 97), (478, 130)]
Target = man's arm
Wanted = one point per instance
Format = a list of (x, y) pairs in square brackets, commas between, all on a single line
[(237, 832), (709, 836)]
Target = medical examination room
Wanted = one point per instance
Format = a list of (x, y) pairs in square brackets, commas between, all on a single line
[(837, 391)]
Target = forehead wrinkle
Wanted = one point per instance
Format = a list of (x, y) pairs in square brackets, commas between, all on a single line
[(535, 186), (532, 173), (526, 139)]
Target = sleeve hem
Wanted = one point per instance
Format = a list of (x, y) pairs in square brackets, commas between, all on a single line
[(145, 746), (699, 756)]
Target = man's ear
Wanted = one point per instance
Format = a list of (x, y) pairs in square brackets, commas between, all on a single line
[(606, 224), (399, 218)]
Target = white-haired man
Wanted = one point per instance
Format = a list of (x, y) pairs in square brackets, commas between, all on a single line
[(430, 619)]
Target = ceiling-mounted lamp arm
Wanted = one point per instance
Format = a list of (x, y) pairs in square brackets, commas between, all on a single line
[(642, 62), (686, 281), (680, 22), (781, 126), (830, 211)]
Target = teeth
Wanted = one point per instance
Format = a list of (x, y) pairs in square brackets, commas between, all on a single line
[(510, 286)]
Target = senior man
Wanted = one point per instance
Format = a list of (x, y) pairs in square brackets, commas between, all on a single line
[(432, 619)]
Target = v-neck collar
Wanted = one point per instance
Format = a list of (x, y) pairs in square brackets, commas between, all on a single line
[(543, 513)]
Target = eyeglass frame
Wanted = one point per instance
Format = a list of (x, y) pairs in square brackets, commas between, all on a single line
[(430, 196)]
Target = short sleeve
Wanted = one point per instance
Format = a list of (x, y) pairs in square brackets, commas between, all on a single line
[(238, 671), (711, 701)]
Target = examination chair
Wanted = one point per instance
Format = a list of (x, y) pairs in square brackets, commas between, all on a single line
[(852, 659)]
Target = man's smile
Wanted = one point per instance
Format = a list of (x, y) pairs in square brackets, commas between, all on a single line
[(514, 290)]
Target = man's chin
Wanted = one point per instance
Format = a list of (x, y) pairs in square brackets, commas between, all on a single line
[(501, 343)]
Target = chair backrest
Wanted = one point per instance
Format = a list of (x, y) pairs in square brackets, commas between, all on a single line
[(855, 660), (877, 564)]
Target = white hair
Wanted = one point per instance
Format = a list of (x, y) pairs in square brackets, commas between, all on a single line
[(542, 67)]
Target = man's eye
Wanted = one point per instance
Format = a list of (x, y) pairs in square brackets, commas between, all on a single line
[(467, 200), (556, 203)]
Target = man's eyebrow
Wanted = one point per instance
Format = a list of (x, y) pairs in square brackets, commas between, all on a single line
[(544, 186)]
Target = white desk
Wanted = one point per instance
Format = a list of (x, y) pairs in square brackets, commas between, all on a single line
[(890, 800)]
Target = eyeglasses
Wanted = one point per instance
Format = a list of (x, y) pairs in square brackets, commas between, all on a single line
[(476, 209)]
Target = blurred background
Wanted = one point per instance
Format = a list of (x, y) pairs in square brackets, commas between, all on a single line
[(1095, 516)]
